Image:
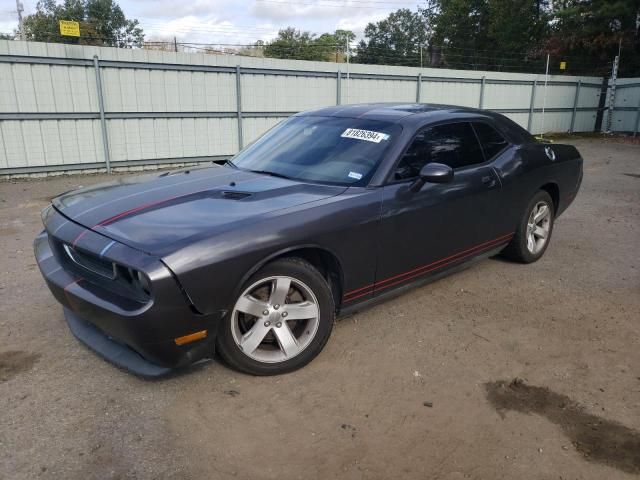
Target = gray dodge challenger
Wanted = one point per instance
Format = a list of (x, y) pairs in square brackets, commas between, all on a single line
[(330, 211)]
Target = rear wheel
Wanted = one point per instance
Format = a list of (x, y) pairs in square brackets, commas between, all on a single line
[(534, 231), (281, 320)]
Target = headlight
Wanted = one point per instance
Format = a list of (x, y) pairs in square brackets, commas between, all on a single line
[(136, 279), (143, 281), (45, 213)]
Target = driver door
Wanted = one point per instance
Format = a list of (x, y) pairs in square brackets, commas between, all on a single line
[(441, 225)]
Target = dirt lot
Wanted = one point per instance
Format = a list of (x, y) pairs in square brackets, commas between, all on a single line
[(418, 387)]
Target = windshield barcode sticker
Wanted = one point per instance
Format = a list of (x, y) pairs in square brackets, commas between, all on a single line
[(366, 135), (355, 175)]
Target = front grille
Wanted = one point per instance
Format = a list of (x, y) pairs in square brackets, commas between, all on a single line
[(102, 273), (91, 262)]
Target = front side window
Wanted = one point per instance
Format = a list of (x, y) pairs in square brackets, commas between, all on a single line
[(453, 144), (340, 151)]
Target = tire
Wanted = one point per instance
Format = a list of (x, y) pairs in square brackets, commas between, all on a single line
[(259, 335), (519, 249)]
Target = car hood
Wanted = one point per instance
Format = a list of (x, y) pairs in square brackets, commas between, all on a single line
[(157, 213)]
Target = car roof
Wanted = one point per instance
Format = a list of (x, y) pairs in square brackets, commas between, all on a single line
[(390, 112), (419, 114)]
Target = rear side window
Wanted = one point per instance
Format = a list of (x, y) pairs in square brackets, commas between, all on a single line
[(453, 144), (491, 140)]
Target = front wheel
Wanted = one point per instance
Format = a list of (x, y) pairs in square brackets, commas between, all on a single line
[(281, 320), (534, 231)]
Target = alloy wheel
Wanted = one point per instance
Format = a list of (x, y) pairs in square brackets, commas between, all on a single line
[(538, 227), (275, 319)]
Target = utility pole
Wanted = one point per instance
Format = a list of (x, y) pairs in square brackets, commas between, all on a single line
[(348, 48), (175, 44), (20, 9), (544, 97), (612, 94)]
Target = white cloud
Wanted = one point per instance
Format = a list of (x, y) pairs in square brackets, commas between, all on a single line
[(169, 8), (358, 24), (235, 21), (208, 30)]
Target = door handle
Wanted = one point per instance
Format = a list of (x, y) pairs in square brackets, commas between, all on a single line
[(489, 181)]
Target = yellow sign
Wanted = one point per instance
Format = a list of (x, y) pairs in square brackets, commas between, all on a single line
[(69, 28), (563, 65)]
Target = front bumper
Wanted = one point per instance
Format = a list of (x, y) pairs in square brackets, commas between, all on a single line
[(135, 334), (117, 353)]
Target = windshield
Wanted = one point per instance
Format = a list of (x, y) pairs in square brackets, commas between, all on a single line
[(343, 151)]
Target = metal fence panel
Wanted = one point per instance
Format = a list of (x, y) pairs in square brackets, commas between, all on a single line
[(254, 127), (506, 96), (367, 90), (267, 93), (168, 107), (626, 113), (454, 93)]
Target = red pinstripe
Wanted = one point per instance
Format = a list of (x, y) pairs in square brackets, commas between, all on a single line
[(82, 234), (124, 214), (367, 289), (137, 209), (112, 219)]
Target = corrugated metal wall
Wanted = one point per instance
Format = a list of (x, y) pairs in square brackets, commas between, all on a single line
[(626, 111), (164, 107)]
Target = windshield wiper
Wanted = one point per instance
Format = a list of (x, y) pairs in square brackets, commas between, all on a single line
[(230, 163), (272, 174)]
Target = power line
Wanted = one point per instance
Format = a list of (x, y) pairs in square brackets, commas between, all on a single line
[(205, 27), (367, 5), (347, 2), (20, 9), (451, 57)]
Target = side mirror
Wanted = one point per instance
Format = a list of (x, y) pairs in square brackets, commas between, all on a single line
[(433, 173)]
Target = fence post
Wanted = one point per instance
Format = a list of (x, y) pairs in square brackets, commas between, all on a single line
[(482, 83), (239, 107), (531, 105), (339, 88), (635, 129), (103, 121), (419, 88), (612, 93), (597, 127), (575, 105)]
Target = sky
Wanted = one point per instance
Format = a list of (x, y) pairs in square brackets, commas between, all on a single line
[(236, 21)]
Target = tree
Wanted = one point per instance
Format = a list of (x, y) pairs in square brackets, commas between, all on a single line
[(102, 22), (590, 32), (487, 34), (292, 44), (518, 34), (298, 45), (256, 50), (506, 35), (6, 36), (342, 37), (396, 40)]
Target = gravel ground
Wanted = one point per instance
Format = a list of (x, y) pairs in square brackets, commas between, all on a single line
[(421, 386)]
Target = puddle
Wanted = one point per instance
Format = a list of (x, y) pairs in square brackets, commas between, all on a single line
[(15, 362), (596, 438)]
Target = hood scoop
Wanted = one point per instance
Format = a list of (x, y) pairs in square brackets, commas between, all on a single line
[(235, 195), (171, 173)]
